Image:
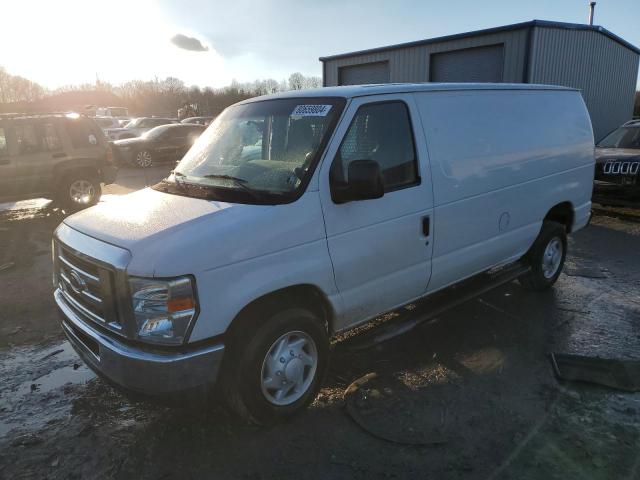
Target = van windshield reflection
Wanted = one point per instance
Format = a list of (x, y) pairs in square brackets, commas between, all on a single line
[(270, 147)]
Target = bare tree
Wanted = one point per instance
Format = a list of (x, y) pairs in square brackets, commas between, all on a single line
[(312, 82), (159, 96), (296, 81), (14, 88)]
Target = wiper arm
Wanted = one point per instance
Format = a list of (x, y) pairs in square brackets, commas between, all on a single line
[(180, 183), (241, 182)]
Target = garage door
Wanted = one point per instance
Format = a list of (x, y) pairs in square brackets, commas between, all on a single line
[(363, 74), (480, 64)]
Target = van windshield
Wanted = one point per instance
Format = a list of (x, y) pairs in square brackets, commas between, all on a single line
[(264, 150)]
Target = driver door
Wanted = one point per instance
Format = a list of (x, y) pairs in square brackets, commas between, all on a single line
[(168, 146), (381, 248)]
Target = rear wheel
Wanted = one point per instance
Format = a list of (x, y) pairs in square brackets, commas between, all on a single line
[(79, 190), (546, 257), (276, 369), (143, 159)]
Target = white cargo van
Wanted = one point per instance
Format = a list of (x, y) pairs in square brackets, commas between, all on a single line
[(302, 214)]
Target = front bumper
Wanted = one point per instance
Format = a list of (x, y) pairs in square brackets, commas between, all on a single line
[(137, 369)]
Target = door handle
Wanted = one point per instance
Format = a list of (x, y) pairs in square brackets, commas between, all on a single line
[(59, 155), (426, 226)]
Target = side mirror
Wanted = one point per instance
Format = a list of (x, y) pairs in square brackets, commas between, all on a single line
[(364, 182)]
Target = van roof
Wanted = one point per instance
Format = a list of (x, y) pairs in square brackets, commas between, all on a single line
[(351, 91)]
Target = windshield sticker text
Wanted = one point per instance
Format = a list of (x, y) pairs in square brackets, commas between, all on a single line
[(311, 111)]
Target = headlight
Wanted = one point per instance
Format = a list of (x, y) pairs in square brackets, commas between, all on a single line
[(163, 309)]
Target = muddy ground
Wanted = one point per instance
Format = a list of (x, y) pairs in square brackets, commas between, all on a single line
[(469, 395)]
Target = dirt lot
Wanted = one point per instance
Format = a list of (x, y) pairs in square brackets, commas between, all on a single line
[(469, 395)]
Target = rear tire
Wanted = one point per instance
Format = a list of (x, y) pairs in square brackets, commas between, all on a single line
[(143, 159), (545, 257), (79, 190), (287, 352)]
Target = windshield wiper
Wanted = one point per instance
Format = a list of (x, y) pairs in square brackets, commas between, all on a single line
[(241, 182), (180, 183)]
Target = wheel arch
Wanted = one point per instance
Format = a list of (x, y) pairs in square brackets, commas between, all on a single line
[(307, 295), (563, 213), (64, 170)]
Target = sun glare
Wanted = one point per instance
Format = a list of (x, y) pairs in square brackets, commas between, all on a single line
[(59, 43)]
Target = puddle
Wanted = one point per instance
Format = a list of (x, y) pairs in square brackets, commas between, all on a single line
[(37, 378), (36, 208), (35, 203), (74, 374), (41, 203)]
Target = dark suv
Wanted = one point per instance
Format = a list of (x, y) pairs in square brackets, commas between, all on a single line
[(618, 161), (65, 157)]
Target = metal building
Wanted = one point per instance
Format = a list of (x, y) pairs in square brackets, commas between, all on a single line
[(602, 65)]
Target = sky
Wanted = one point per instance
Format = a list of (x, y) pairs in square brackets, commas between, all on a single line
[(212, 42)]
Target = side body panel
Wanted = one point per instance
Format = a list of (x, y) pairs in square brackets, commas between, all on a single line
[(292, 234), (500, 161)]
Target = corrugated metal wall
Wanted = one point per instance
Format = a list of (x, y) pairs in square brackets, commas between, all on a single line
[(365, 73), (479, 64), (604, 70), (411, 64)]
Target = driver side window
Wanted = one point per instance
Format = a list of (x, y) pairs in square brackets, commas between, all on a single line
[(380, 132)]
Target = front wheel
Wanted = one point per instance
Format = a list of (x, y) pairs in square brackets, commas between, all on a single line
[(275, 370), (546, 257)]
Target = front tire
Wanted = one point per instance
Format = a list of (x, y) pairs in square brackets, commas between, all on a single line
[(546, 257), (143, 159), (79, 190), (276, 369)]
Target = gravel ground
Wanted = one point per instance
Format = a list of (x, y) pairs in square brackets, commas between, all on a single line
[(470, 394)]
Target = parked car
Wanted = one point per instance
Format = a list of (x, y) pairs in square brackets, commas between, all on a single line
[(161, 144), (106, 123), (137, 127), (618, 160), (364, 198), (63, 157), (117, 112), (199, 120)]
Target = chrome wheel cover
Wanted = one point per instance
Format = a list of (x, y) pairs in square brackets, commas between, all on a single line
[(81, 192), (289, 368), (552, 257), (143, 159)]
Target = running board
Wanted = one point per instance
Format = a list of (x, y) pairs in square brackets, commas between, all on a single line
[(436, 304)]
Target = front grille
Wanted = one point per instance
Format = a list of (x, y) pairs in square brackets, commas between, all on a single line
[(87, 288)]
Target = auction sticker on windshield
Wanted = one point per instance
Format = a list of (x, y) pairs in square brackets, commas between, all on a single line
[(311, 111)]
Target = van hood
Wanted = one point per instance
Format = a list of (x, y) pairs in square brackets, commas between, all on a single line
[(171, 235)]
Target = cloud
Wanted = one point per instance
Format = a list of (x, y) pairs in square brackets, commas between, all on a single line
[(188, 43)]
